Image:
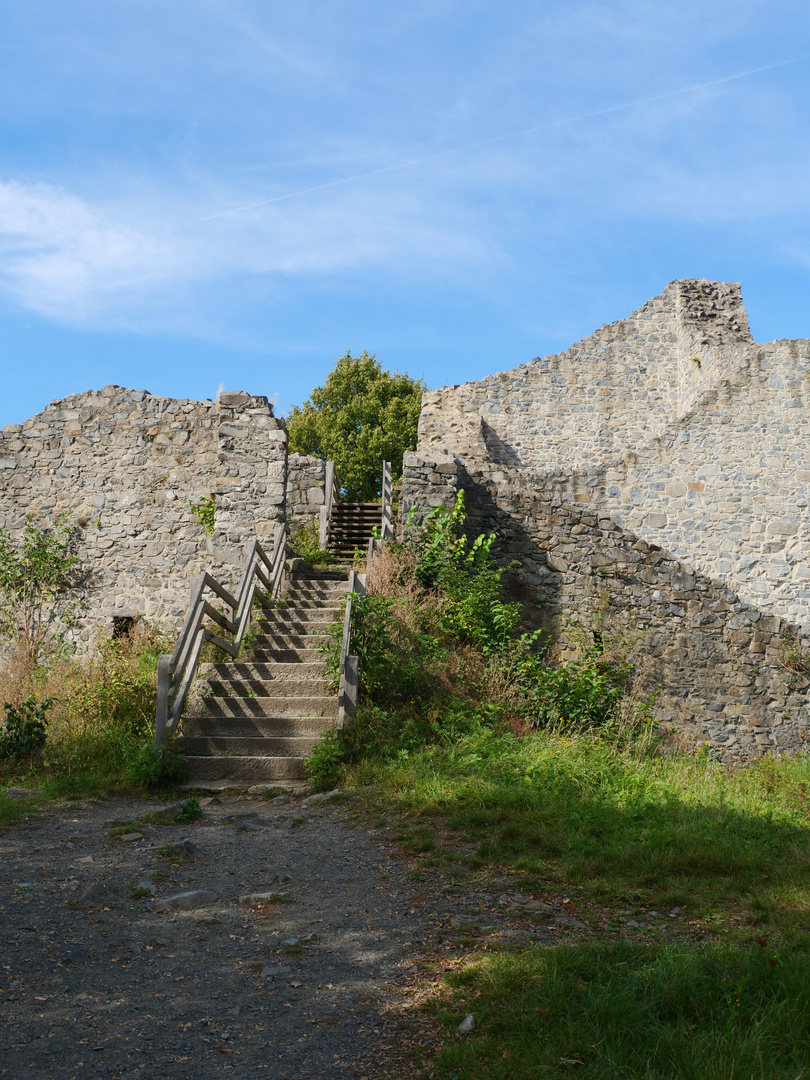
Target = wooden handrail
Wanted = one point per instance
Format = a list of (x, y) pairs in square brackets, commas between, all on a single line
[(349, 665), (262, 576)]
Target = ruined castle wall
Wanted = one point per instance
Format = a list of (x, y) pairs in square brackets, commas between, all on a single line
[(124, 465), (613, 392), (727, 488), (673, 422), (721, 667), (306, 483)]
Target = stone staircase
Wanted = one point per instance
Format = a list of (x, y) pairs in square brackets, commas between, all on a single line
[(260, 717), (350, 527)]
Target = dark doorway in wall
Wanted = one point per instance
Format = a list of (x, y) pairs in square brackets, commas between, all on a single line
[(123, 625)]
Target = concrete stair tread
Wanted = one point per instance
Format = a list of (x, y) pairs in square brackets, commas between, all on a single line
[(271, 706), (244, 746), (255, 727), (251, 688), (244, 770), (267, 673)]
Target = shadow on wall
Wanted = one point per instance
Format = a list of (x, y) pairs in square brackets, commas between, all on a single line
[(498, 451), (718, 664)]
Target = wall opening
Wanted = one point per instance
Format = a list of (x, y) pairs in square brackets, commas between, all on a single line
[(123, 625)]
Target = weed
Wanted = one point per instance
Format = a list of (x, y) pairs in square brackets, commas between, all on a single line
[(155, 766), (25, 728), (190, 810), (304, 542), (205, 511)]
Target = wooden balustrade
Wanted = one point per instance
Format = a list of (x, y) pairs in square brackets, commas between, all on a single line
[(262, 577)]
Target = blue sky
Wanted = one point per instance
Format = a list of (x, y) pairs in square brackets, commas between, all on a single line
[(235, 192)]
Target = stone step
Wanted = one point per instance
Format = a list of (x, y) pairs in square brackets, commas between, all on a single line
[(293, 617), (266, 655), (292, 639), (344, 507), (273, 746), (306, 603), (242, 771), (228, 686), (264, 673), (333, 585), (255, 727), (222, 705)]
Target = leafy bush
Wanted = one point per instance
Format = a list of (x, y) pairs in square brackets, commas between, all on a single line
[(155, 766), (25, 727), (36, 573), (323, 764), (304, 542)]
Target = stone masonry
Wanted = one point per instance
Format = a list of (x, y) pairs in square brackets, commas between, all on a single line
[(660, 466), (125, 465), (306, 481)]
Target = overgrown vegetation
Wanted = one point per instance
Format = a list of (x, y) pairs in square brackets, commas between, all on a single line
[(101, 710), (495, 757), (73, 724), (36, 576), (443, 656), (304, 542), (25, 728)]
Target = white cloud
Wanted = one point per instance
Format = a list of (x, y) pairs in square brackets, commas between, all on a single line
[(82, 262)]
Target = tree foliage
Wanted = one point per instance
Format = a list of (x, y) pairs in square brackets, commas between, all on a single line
[(35, 574), (360, 416)]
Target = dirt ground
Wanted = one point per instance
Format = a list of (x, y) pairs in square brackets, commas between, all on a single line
[(105, 976)]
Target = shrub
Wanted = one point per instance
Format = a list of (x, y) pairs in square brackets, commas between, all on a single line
[(304, 542), (155, 766), (323, 764), (36, 573), (25, 727), (205, 511)]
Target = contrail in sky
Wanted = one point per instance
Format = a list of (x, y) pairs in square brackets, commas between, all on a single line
[(511, 135)]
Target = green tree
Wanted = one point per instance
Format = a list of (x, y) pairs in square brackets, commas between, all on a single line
[(35, 574), (361, 416)]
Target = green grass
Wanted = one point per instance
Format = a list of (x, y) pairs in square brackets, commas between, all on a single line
[(730, 846), (718, 1011), (677, 831)]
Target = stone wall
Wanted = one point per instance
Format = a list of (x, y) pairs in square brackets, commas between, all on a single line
[(124, 465), (306, 477), (663, 462), (675, 424), (721, 667)]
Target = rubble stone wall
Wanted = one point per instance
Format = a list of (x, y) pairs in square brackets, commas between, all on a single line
[(124, 465), (721, 667), (671, 434), (673, 420), (306, 480)]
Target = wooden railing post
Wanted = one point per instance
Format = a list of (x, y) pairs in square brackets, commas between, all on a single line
[(164, 680), (387, 493)]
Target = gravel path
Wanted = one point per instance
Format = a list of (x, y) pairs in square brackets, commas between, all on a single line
[(317, 977), (112, 987)]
